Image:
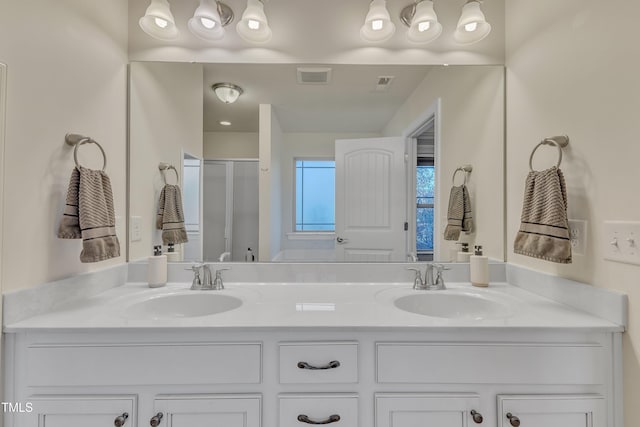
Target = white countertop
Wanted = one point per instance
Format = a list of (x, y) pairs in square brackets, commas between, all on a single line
[(311, 305)]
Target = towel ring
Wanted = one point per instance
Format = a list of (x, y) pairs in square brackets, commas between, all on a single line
[(77, 141), (466, 170), (164, 167), (558, 141)]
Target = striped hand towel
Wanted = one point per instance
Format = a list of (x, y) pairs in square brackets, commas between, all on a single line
[(170, 218), (89, 215), (544, 227), (459, 214)]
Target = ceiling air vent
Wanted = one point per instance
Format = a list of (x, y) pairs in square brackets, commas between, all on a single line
[(314, 76), (384, 82)]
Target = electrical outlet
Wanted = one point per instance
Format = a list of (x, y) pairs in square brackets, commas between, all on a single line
[(136, 229), (578, 236)]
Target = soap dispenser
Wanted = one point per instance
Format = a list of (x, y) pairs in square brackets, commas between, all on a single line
[(157, 268), (463, 255), (479, 268)]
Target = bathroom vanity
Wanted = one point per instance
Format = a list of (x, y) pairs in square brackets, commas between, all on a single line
[(293, 355)]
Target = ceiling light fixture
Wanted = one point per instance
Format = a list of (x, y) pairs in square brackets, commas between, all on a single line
[(472, 25), (377, 25), (422, 22), (158, 21), (254, 27), (225, 122), (227, 92), (209, 19)]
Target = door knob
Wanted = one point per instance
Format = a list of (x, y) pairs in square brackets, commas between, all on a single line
[(155, 420), (341, 240), (477, 417), (121, 420), (513, 420)]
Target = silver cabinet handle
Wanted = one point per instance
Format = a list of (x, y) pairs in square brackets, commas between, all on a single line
[(477, 417), (331, 365), (513, 420), (342, 240), (332, 419), (155, 420), (121, 420)]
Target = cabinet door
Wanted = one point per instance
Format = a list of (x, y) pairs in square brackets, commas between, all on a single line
[(420, 410), (80, 411), (551, 411), (209, 410)]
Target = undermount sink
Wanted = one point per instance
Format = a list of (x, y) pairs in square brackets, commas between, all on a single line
[(171, 306), (452, 305)]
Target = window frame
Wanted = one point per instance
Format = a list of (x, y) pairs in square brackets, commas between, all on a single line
[(295, 196)]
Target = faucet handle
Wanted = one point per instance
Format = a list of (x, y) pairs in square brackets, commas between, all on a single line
[(417, 281), (217, 281), (197, 282), (439, 281)]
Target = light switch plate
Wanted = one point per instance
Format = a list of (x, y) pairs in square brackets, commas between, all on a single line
[(136, 229), (622, 241)]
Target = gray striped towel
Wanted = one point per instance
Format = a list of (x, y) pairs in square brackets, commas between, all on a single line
[(459, 214), (89, 215), (544, 227), (170, 218)]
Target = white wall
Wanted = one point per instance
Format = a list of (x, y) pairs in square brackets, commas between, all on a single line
[(67, 72), (231, 145), (166, 118), (472, 132), (573, 67), (269, 183), (309, 145)]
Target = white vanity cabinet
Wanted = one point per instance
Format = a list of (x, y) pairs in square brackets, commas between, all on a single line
[(342, 377)]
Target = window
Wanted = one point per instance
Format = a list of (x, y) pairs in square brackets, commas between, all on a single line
[(315, 195), (424, 205)]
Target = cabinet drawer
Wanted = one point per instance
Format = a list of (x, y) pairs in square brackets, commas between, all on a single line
[(70, 411), (149, 364), (298, 410), (328, 362), (492, 363)]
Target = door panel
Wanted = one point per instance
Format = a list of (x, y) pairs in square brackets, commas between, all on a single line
[(370, 199), (210, 410), (551, 410)]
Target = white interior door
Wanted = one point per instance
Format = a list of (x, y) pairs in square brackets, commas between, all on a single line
[(370, 199)]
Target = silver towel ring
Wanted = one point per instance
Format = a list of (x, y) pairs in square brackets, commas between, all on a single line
[(466, 169), (77, 140), (558, 141), (163, 168)]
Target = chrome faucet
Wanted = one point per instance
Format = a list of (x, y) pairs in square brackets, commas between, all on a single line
[(207, 282), (429, 283), (223, 256)]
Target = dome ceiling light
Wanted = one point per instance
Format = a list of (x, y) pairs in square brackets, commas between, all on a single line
[(227, 92)]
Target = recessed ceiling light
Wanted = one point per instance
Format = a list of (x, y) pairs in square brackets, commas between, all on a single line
[(225, 123)]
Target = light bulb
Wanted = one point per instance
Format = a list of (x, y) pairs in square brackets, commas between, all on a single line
[(424, 26), (161, 22), (208, 23), (225, 123), (377, 24), (253, 24), (471, 27)]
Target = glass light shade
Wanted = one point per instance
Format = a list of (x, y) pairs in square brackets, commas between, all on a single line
[(424, 19), (471, 14), (253, 27), (158, 21), (206, 23), (377, 25), (227, 92)]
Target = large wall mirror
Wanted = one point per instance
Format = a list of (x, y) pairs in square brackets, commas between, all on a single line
[(317, 163)]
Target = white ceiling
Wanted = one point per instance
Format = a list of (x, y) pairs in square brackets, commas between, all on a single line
[(349, 103)]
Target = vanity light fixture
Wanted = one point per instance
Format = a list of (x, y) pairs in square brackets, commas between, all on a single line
[(209, 19), (227, 92), (472, 25), (254, 27), (377, 24), (158, 21), (422, 22)]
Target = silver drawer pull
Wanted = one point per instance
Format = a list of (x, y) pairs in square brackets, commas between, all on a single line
[(331, 365), (513, 420), (477, 417), (332, 419), (121, 420), (155, 420)]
